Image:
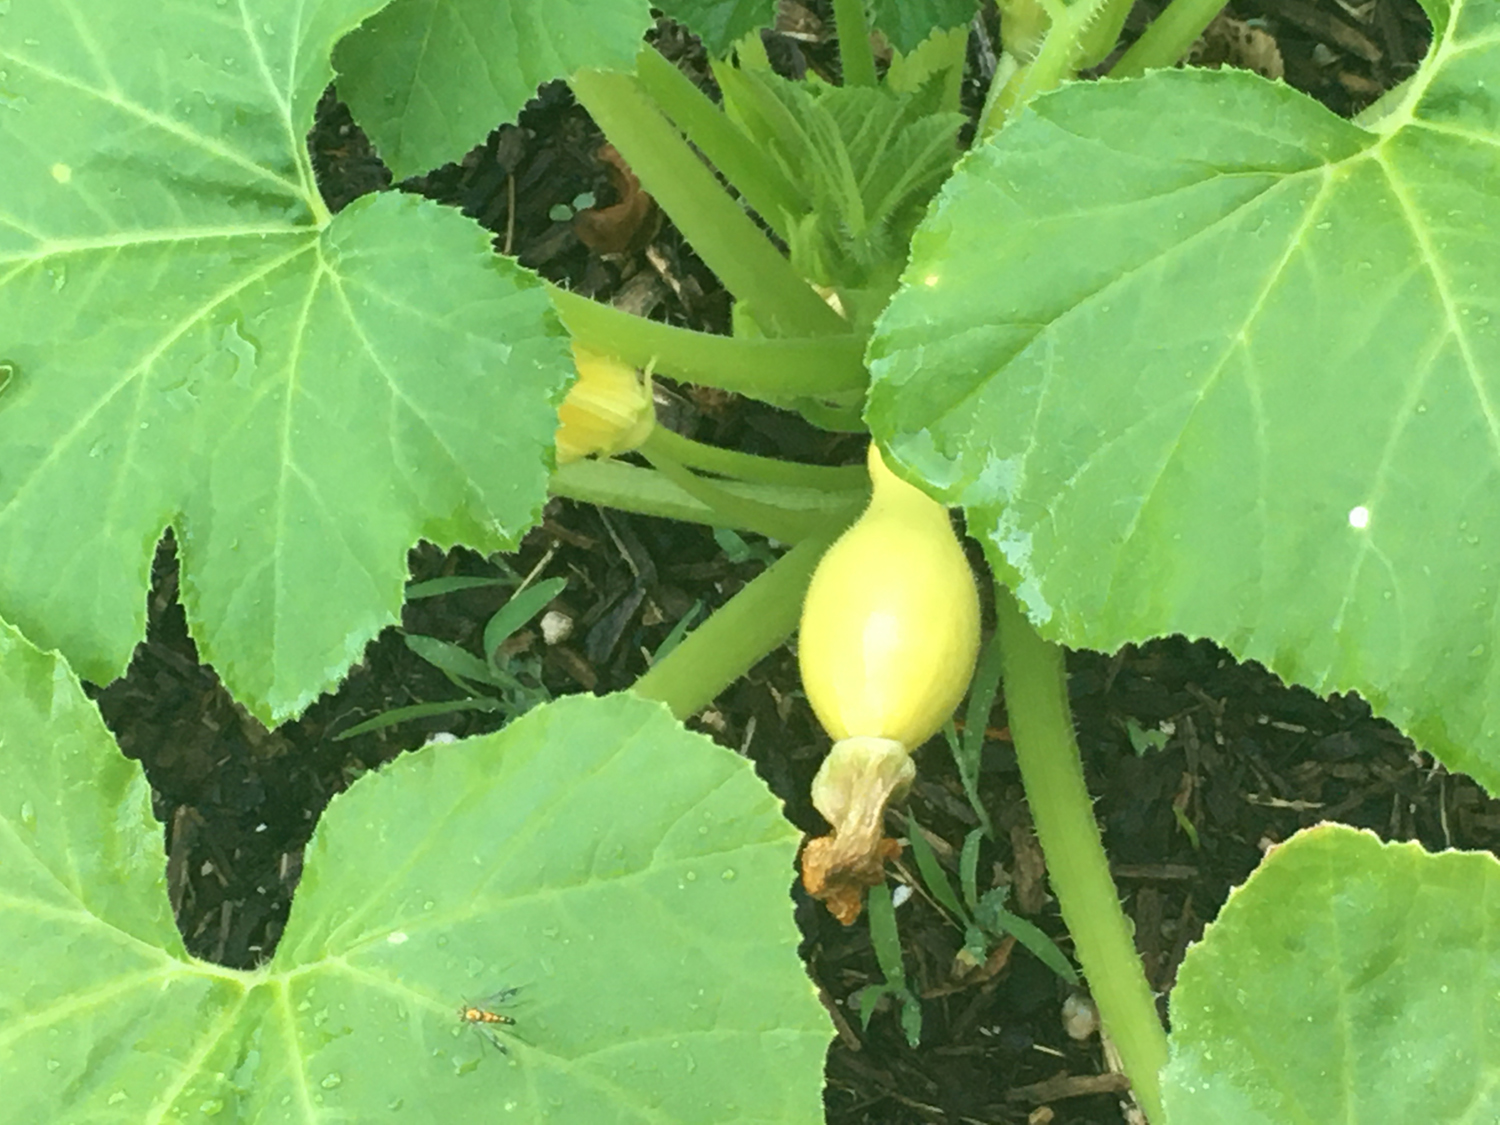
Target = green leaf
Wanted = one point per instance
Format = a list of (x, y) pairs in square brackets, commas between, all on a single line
[(968, 865), (458, 663), (428, 79), (884, 935), (887, 943), (679, 631), (1347, 980), (934, 878), (720, 22), (198, 344), (435, 587), (907, 22), (867, 159), (517, 611), (80, 853), (936, 64), (968, 750), (992, 915), (625, 877), (1236, 379), (1143, 741), (398, 715)]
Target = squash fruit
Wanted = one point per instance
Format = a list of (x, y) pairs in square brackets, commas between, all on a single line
[(887, 645)]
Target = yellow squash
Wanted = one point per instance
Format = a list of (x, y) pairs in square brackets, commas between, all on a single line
[(890, 626), (889, 636)]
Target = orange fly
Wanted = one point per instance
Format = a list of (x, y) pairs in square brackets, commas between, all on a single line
[(479, 1015)]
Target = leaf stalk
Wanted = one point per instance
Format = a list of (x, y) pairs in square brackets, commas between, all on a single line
[(1041, 726)]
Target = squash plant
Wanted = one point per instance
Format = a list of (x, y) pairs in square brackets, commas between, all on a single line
[(1192, 354)]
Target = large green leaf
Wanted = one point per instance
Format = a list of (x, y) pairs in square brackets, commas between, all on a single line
[(626, 878), (907, 22), (1347, 981), (427, 79), (719, 23), (1199, 357), (198, 343)]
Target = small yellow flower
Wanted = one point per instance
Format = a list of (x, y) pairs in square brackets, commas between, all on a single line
[(608, 411)]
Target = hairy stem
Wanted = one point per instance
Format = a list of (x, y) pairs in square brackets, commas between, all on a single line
[(715, 224), (754, 175), (799, 512), (770, 520), (1041, 725), (856, 59), (1168, 38), (763, 369), (750, 467)]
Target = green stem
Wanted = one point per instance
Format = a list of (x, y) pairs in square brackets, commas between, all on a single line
[(1054, 64), (750, 467), (1169, 37), (764, 369), (840, 417), (742, 631), (856, 59), (714, 224), (770, 520), (748, 169), (1101, 36), (1000, 96), (800, 512), (1078, 35), (1041, 725)]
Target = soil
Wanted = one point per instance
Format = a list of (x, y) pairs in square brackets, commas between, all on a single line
[(1239, 760)]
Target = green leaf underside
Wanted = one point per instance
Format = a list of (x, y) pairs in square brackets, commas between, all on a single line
[(1168, 371), (1348, 981), (627, 877), (720, 22), (428, 79), (907, 22), (198, 345)]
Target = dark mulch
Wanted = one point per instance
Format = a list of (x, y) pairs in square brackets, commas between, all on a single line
[(1246, 761)]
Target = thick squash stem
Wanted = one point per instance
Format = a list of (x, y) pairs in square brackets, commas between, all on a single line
[(858, 779), (1041, 726)]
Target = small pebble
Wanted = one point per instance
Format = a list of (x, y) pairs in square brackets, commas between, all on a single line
[(1079, 1016), (556, 627)]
